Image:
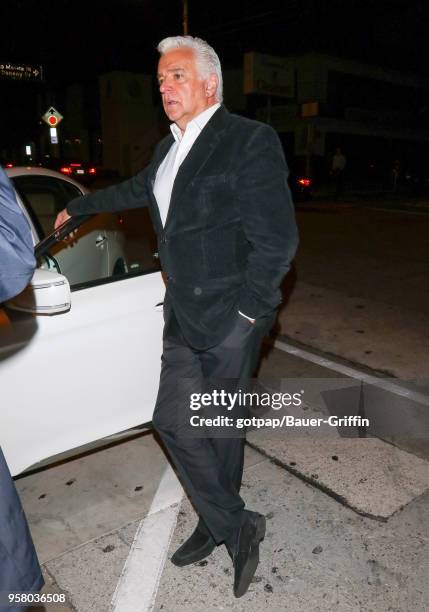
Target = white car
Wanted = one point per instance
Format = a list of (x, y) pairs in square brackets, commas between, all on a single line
[(42, 193), (80, 348)]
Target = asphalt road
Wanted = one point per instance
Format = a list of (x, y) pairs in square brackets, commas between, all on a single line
[(373, 248), (359, 289)]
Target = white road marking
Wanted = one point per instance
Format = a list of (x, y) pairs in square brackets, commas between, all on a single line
[(137, 587), (128, 433), (383, 383)]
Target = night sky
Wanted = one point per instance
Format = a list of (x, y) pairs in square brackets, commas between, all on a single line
[(77, 40)]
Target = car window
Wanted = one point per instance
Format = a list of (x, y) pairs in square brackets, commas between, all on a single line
[(106, 248), (44, 197)]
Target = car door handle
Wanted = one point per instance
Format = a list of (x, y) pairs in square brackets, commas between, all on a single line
[(100, 240)]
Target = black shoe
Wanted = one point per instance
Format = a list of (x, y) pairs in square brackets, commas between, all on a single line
[(197, 547), (243, 547)]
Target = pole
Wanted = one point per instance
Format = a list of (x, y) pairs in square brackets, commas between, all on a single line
[(55, 146), (185, 18)]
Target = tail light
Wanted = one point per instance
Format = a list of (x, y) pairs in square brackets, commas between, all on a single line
[(92, 171), (305, 182), (9, 165), (66, 170)]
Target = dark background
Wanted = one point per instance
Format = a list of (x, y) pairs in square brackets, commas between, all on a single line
[(75, 41)]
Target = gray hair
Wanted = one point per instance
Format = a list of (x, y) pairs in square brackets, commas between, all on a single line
[(207, 59)]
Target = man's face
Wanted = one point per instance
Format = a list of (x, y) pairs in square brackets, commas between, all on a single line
[(184, 94)]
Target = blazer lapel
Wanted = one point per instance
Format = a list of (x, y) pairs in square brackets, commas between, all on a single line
[(162, 151), (158, 159), (198, 156)]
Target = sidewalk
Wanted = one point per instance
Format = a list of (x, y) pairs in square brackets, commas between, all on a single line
[(319, 553)]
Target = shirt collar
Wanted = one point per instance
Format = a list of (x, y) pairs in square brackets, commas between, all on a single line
[(197, 123)]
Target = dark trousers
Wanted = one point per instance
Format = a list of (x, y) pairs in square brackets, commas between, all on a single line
[(19, 566), (210, 468)]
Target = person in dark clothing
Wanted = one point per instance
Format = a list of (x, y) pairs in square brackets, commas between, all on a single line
[(17, 261), (19, 565), (218, 196)]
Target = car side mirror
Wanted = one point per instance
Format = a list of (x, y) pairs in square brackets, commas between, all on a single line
[(47, 293)]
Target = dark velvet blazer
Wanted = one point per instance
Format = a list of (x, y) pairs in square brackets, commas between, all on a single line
[(230, 232)]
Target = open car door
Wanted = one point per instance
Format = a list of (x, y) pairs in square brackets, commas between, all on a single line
[(92, 368)]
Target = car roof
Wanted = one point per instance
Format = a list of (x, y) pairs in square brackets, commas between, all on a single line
[(37, 171)]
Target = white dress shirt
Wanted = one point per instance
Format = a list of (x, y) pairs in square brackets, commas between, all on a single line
[(170, 165)]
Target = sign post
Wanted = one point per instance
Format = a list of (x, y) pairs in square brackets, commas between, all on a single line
[(52, 117)]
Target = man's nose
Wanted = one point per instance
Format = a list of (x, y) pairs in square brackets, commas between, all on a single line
[(165, 86)]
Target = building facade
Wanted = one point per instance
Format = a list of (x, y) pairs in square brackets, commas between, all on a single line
[(379, 118)]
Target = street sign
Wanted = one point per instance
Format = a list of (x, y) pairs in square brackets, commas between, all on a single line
[(54, 135), (20, 72), (52, 117)]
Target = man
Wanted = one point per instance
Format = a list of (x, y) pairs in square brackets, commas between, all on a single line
[(218, 195), (19, 566)]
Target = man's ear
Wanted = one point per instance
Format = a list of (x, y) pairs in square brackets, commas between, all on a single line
[(211, 85)]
